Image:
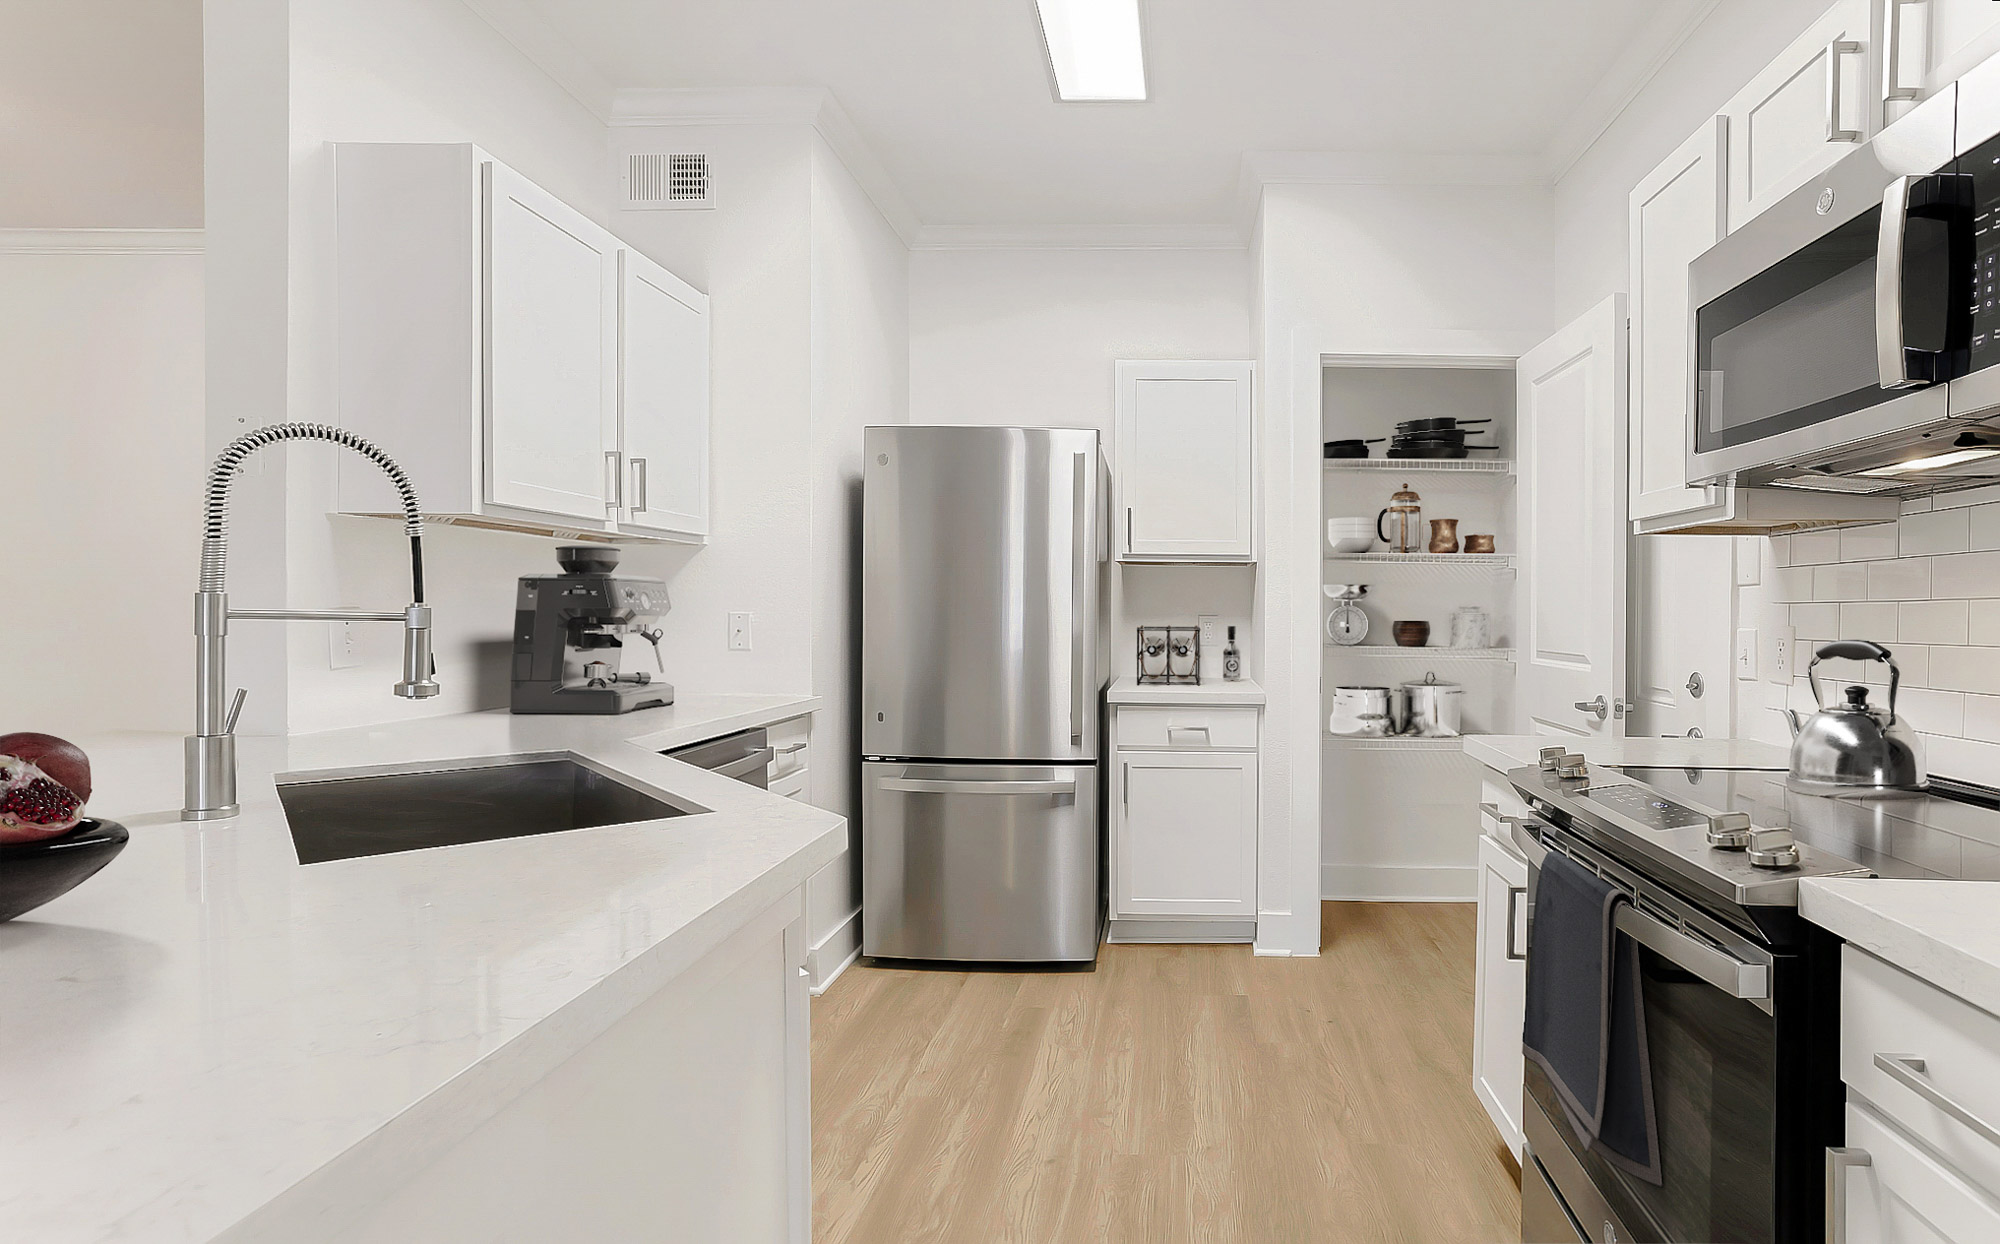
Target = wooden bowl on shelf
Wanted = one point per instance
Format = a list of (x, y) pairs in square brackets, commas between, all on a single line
[(1413, 634)]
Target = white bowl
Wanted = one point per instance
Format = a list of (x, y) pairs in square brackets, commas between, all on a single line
[(1351, 544)]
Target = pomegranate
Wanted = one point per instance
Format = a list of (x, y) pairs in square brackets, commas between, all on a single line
[(44, 782)]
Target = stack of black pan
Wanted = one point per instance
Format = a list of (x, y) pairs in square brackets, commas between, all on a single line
[(1442, 437)]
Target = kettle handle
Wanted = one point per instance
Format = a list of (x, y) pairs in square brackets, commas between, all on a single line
[(1854, 650)]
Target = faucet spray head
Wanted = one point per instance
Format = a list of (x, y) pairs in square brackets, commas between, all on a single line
[(419, 668)]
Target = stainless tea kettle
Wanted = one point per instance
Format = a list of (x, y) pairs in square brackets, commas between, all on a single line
[(1854, 748)]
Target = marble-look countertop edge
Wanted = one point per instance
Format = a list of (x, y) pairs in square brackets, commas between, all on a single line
[(1939, 931), (1243, 693)]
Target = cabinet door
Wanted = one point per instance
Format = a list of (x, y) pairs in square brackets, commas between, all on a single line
[(1500, 994), (662, 398), (1185, 471), (1807, 109), (1901, 1194), (1929, 44), (1185, 829), (1675, 214), (551, 404)]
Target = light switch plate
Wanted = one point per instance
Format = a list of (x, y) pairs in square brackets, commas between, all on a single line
[(739, 632), (1749, 561), (1746, 652)]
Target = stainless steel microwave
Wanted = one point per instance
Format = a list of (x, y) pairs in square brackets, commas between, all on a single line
[(1846, 339)]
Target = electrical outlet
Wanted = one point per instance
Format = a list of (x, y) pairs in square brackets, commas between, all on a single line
[(739, 632), (343, 646), (1211, 627), (1782, 646), (1746, 652), (1749, 561)]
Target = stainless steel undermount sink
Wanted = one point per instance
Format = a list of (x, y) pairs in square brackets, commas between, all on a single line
[(342, 815)]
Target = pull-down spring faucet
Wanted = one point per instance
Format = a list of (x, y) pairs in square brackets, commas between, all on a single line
[(210, 774)]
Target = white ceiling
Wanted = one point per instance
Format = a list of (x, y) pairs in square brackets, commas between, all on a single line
[(100, 114), (953, 95)]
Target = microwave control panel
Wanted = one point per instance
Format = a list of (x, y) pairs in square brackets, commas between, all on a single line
[(1982, 163)]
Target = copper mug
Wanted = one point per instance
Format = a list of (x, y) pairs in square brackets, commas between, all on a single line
[(1444, 535), (1478, 544)]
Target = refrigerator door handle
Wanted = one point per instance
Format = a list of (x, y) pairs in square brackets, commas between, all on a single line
[(1082, 543), (947, 786)]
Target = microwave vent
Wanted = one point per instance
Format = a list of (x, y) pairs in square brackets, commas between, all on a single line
[(656, 181)]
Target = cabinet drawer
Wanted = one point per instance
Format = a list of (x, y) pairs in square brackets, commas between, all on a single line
[(1187, 729), (1914, 1052), (1902, 1195), (791, 746), (794, 785)]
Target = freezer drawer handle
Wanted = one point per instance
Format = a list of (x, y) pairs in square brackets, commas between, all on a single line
[(941, 786)]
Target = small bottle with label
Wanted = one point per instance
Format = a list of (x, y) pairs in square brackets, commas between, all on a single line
[(1232, 660)]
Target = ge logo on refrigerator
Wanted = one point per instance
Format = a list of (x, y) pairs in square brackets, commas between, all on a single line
[(1825, 203)]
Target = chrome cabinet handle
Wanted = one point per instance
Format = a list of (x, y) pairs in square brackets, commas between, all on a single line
[(1893, 89), (790, 748), (1838, 1163), (1907, 1070), (1128, 529), (1834, 51), (638, 485), (614, 482), (1514, 894), (1128, 787), (1598, 706), (945, 786)]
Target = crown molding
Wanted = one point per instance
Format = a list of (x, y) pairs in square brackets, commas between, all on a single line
[(549, 51), (101, 242), (1079, 238), (642, 107), (1672, 24)]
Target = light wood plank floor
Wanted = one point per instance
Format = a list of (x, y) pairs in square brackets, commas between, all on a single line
[(1177, 1093)]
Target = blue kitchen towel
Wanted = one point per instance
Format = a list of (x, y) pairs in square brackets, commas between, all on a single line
[(1585, 1023)]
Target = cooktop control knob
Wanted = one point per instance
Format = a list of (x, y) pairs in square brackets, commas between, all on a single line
[(1571, 766), (1729, 830), (1549, 758), (1773, 848)]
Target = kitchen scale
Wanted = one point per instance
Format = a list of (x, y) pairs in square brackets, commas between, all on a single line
[(1347, 625)]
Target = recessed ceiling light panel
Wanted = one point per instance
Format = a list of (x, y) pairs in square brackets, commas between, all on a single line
[(1094, 49)]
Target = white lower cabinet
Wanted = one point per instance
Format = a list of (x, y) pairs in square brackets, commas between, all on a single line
[(1922, 1070), (1184, 823), (791, 758), (1501, 991)]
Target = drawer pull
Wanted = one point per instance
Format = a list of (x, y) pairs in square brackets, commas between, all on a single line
[(1908, 1071), (1201, 730), (791, 749), (1838, 1163), (1515, 894)]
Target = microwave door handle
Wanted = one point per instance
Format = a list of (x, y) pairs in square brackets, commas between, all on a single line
[(1890, 360)]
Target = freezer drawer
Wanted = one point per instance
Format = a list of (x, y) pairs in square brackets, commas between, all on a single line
[(981, 863)]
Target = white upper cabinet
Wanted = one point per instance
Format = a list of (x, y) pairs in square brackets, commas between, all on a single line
[(663, 399), (1185, 480), (1927, 44), (525, 367), (1807, 109), (550, 351), (1674, 215)]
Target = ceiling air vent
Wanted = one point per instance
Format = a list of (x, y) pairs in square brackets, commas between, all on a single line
[(656, 180)]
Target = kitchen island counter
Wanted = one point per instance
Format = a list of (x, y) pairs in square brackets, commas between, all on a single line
[(209, 1040)]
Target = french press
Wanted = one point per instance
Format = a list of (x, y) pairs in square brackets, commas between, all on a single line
[(1404, 517)]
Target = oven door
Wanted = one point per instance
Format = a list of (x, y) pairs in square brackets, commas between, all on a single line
[(1713, 1048), (1832, 319)]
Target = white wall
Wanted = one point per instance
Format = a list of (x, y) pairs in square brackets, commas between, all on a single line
[(1029, 337), (100, 361), (1362, 270)]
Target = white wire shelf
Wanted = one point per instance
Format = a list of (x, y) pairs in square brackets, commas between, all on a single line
[(1394, 743), (1423, 654), (1427, 559), (1449, 466)]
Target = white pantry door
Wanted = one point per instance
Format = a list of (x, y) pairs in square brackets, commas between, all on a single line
[(1570, 407)]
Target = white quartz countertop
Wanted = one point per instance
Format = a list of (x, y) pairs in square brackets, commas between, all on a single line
[(1511, 751), (1213, 693), (1946, 932), (208, 1040)]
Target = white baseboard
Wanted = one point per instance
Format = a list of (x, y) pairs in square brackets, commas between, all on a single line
[(1389, 884), (831, 954)]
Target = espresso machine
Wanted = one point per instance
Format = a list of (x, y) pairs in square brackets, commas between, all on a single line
[(569, 633)]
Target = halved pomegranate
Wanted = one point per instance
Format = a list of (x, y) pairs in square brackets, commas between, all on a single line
[(44, 782)]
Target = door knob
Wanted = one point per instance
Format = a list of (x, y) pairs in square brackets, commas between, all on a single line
[(1597, 706)]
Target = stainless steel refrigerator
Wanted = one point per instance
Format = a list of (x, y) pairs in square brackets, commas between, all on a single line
[(982, 563)]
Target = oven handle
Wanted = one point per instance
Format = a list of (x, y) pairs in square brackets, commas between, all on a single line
[(1748, 981)]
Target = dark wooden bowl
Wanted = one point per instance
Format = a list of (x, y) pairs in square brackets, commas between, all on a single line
[(1413, 634), (32, 873)]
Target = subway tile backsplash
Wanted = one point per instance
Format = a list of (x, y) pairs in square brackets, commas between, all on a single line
[(1927, 587)]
